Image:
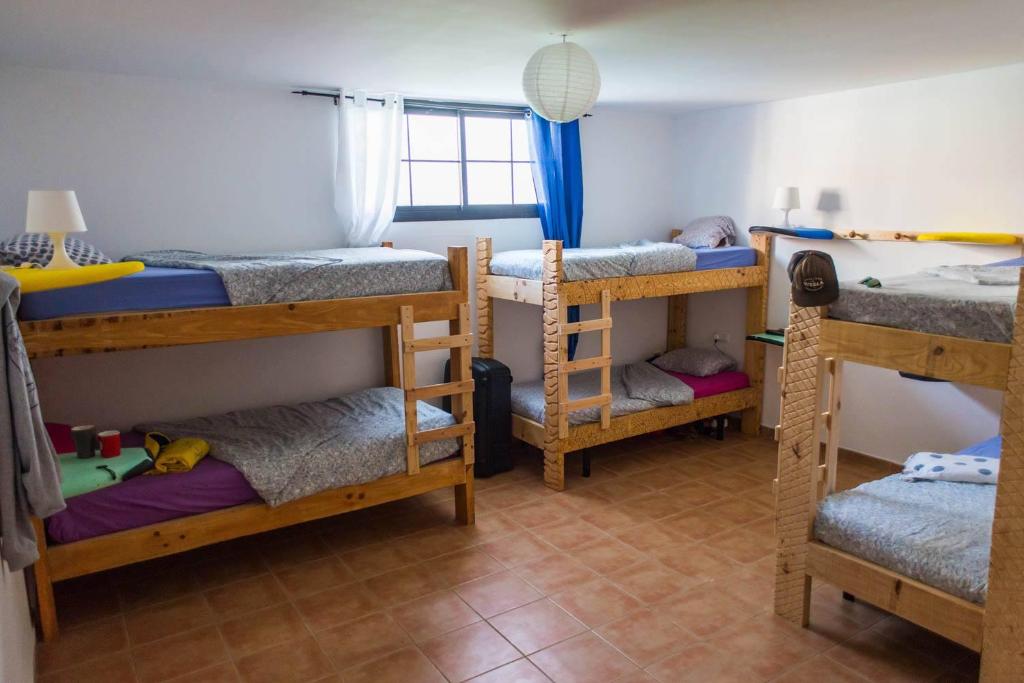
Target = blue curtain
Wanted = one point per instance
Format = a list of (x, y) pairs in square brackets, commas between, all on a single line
[(558, 179)]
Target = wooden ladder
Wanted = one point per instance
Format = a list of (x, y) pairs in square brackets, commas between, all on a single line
[(602, 361), (460, 388)]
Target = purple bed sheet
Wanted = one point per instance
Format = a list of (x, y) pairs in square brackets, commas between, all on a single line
[(211, 485)]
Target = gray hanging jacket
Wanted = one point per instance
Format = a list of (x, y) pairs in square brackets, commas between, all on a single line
[(29, 472)]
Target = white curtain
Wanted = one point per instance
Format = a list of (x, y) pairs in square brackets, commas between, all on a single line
[(369, 159)]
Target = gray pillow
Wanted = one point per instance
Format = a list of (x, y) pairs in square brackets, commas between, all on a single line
[(696, 362), (32, 247), (708, 232)]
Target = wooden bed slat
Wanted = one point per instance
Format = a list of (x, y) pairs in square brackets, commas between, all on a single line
[(586, 326), (586, 364), (436, 343), (451, 432), (445, 389)]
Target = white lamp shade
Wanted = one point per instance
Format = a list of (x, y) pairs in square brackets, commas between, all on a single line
[(787, 198), (561, 82), (53, 211)]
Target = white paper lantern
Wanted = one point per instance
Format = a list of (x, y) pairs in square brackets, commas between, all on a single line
[(561, 82)]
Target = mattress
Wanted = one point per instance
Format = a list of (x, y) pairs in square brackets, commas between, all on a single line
[(528, 397), (726, 257), (930, 304), (647, 258), (376, 272), (936, 532)]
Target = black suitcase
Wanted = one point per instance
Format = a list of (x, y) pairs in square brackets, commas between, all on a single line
[(492, 412)]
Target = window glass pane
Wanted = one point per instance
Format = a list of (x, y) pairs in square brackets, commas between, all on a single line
[(405, 137), (488, 139), (524, 191), (433, 137), (435, 184), (489, 183), (520, 141), (404, 198)]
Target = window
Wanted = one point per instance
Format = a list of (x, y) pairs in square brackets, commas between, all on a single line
[(465, 161)]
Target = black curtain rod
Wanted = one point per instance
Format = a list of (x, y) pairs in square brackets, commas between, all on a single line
[(424, 104)]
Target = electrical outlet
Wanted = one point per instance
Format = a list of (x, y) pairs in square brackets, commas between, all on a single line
[(723, 337)]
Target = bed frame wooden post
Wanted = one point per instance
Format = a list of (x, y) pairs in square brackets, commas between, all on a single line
[(799, 455), (676, 335), (390, 343), (554, 318), (484, 310), (832, 419), (462, 376), (1002, 654), (757, 321), (44, 585)]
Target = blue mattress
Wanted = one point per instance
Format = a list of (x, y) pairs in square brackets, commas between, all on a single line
[(153, 288), (726, 257), (936, 532)]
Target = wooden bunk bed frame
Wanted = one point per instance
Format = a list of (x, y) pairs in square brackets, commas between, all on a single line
[(394, 314), (814, 351), (556, 436)]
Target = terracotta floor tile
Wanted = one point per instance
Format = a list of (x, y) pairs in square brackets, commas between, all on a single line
[(704, 612), (568, 534), (654, 506), (694, 468), (697, 525), (82, 601), (695, 560), (742, 544), (696, 493), (429, 544), (650, 535), (509, 495), (258, 630), (606, 555), (85, 642), (244, 596), (497, 593), (645, 636), (610, 518), (378, 559), (519, 671), (820, 670), (555, 573), (619, 490), (293, 551), (314, 576), (221, 571), (597, 602), (167, 618), (932, 645), (292, 662), (660, 478), (162, 587), (362, 640), (336, 605), (462, 566), (536, 626), (626, 463), (469, 652), (490, 526), (225, 672), (407, 665), (768, 646), (651, 581), (829, 598), (403, 585), (178, 655), (115, 668), (583, 659), (875, 656), (701, 663), (733, 483), (434, 615), (517, 548), (538, 513)]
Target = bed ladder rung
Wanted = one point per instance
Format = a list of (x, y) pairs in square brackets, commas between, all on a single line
[(445, 389), (434, 343), (585, 326), (586, 364), (588, 402), (456, 430)]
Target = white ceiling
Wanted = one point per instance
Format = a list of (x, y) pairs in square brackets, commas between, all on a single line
[(679, 55)]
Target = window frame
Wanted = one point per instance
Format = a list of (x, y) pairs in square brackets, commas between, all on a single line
[(464, 210)]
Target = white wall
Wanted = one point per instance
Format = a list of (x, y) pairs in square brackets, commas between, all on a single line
[(17, 637), (935, 154), (164, 163)]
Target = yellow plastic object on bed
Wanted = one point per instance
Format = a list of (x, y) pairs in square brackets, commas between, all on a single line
[(180, 455), (40, 279), (973, 237)]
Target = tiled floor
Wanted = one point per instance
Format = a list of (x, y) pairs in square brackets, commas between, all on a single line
[(657, 568)]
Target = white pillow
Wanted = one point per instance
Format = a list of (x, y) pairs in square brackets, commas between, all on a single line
[(971, 469)]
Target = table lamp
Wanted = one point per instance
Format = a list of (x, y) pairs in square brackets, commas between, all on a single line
[(787, 199), (56, 213)]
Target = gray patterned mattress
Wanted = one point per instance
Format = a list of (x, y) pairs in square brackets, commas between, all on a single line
[(635, 388), (936, 532), (289, 452), (313, 275), (645, 258), (932, 303)]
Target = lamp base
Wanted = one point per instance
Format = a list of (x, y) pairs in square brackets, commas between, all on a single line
[(60, 260), (785, 219)]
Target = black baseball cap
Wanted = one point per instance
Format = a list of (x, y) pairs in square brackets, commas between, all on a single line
[(814, 280)]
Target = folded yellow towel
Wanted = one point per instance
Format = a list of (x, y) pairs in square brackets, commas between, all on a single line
[(175, 456)]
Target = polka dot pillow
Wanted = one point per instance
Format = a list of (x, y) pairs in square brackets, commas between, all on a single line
[(971, 469), (37, 248)]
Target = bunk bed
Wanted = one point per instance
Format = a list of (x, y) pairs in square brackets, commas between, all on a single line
[(956, 607), (547, 286), (394, 313)]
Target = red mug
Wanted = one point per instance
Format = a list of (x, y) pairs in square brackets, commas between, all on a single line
[(110, 443)]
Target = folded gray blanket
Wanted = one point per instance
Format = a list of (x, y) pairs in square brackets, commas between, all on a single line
[(313, 275), (289, 452)]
